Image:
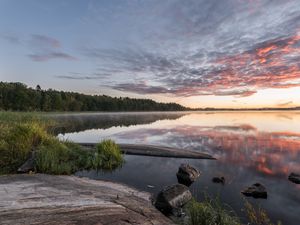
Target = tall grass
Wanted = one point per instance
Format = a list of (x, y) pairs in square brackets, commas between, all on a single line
[(16, 143), (258, 216), (107, 156), (210, 212), (213, 212), (22, 133), (58, 157)]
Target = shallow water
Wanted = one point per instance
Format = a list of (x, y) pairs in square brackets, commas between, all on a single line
[(250, 147)]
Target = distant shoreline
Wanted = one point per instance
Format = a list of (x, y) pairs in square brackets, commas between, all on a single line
[(249, 109), (151, 111)]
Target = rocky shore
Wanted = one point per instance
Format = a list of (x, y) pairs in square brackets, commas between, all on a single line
[(46, 199)]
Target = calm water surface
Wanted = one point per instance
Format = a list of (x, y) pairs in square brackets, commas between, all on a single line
[(250, 147)]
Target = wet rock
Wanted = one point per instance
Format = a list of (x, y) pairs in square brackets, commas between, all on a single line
[(187, 174), (295, 178), (219, 180), (172, 198), (257, 190)]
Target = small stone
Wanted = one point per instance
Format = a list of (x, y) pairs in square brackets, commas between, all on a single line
[(257, 190), (187, 174), (295, 178)]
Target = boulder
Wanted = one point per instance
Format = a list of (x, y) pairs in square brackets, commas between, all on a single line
[(219, 180), (187, 174), (295, 178), (172, 198), (257, 190)]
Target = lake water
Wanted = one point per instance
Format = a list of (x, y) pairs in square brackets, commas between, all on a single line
[(250, 147)]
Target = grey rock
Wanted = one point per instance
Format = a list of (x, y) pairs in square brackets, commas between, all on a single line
[(172, 198), (62, 200), (257, 190), (295, 178), (187, 174)]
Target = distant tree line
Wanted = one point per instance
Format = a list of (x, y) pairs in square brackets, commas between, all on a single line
[(19, 97)]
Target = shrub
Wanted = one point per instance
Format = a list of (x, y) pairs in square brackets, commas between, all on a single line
[(107, 156)]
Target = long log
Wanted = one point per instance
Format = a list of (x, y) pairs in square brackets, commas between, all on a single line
[(158, 151)]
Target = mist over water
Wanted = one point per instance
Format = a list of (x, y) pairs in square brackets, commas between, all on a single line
[(250, 147)]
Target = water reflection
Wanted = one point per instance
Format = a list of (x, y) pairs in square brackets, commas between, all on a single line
[(271, 153), (250, 147), (75, 122)]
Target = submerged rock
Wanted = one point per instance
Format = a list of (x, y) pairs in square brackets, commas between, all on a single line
[(257, 190), (219, 180), (187, 174), (172, 198), (295, 178)]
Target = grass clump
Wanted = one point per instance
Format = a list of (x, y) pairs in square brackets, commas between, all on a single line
[(16, 143), (56, 157), (210, 212), (258, 216), (107, 156)]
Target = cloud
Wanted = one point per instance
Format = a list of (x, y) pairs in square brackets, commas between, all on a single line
[(42, 57), (13, 39), (47, 48), (44, 41), (268, 64), (222, 48), (284, 104), (239, 93), (142, 88), (78, 76)]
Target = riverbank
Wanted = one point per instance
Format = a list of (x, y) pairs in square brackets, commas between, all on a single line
[(47, 199)]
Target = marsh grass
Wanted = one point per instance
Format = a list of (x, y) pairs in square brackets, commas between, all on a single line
[(17, 141), (258, 216), (210, 212), (58, 157), (107, 156), (22, 133), (214, 212)]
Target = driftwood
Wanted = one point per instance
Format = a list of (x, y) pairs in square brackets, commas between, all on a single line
[(159, 151)]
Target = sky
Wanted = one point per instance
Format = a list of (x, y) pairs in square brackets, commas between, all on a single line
[(198, 53)]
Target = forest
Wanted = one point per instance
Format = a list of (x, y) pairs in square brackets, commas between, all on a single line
[(19, 97)]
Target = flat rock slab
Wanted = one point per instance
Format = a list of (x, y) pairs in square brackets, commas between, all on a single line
[(159, 151), (46, 199)]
